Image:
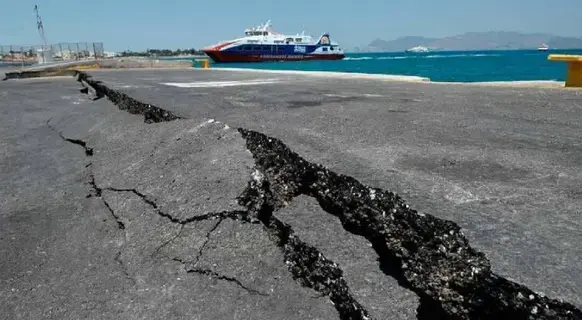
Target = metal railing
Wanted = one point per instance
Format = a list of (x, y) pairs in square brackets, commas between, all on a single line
[(24, 55)]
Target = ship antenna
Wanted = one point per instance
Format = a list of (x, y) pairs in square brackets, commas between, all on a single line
[(40, 26)]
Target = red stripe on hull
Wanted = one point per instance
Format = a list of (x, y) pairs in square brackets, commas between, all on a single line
[(219, 56), (220, 46)]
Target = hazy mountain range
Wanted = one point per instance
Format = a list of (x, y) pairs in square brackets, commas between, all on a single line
[(493, 40)]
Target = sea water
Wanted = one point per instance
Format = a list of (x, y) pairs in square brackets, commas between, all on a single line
[(448, 66)]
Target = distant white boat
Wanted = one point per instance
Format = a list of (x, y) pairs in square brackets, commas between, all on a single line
[(543, 47), (418, 49)]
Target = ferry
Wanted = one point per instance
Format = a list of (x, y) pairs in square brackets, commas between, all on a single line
[(261, 43)]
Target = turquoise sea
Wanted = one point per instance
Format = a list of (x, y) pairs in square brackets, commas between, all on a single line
[(456, 66)]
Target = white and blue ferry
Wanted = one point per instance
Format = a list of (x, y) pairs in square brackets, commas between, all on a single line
[(263, 44)]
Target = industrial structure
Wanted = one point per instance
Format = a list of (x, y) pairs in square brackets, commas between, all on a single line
[(43, 53)]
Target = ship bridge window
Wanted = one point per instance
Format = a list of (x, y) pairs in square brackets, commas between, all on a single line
[(279, 41), (331, 48), (324, 49), (298, 39)]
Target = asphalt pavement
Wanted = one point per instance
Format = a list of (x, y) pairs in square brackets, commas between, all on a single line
[(107, 217)]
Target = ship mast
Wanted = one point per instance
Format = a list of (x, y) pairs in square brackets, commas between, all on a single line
[(40, 27)]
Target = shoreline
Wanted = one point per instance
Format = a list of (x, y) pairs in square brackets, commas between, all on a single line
[(547, 84), (333, 74), (550, 84)]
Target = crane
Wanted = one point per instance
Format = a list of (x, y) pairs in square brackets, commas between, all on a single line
[(45, 54), (40, 26)]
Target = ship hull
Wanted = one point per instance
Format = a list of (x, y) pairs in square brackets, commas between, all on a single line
[(225, 57)]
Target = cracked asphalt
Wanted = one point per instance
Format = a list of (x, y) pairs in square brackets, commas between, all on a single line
[(107, 217)]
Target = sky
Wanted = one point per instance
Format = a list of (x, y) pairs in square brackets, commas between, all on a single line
[(139, 25)]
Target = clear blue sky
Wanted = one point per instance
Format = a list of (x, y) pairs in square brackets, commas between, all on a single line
[(137, 25)]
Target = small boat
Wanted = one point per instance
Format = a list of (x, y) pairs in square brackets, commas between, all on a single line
[(263, 44), (543, 47), (418, 49)]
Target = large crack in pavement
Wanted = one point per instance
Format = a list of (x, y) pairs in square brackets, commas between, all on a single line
[(98, 193), (97, 89), (308, 266), (151, 113), (427, 255)]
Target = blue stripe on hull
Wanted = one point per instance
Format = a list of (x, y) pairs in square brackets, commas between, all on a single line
[(271, 49), (272, 52)]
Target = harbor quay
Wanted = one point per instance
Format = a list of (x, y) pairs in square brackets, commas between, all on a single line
[(207, 193)]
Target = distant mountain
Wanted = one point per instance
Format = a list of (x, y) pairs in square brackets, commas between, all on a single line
[(493, 40)]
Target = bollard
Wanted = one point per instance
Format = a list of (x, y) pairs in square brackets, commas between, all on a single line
[(574, 77)]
